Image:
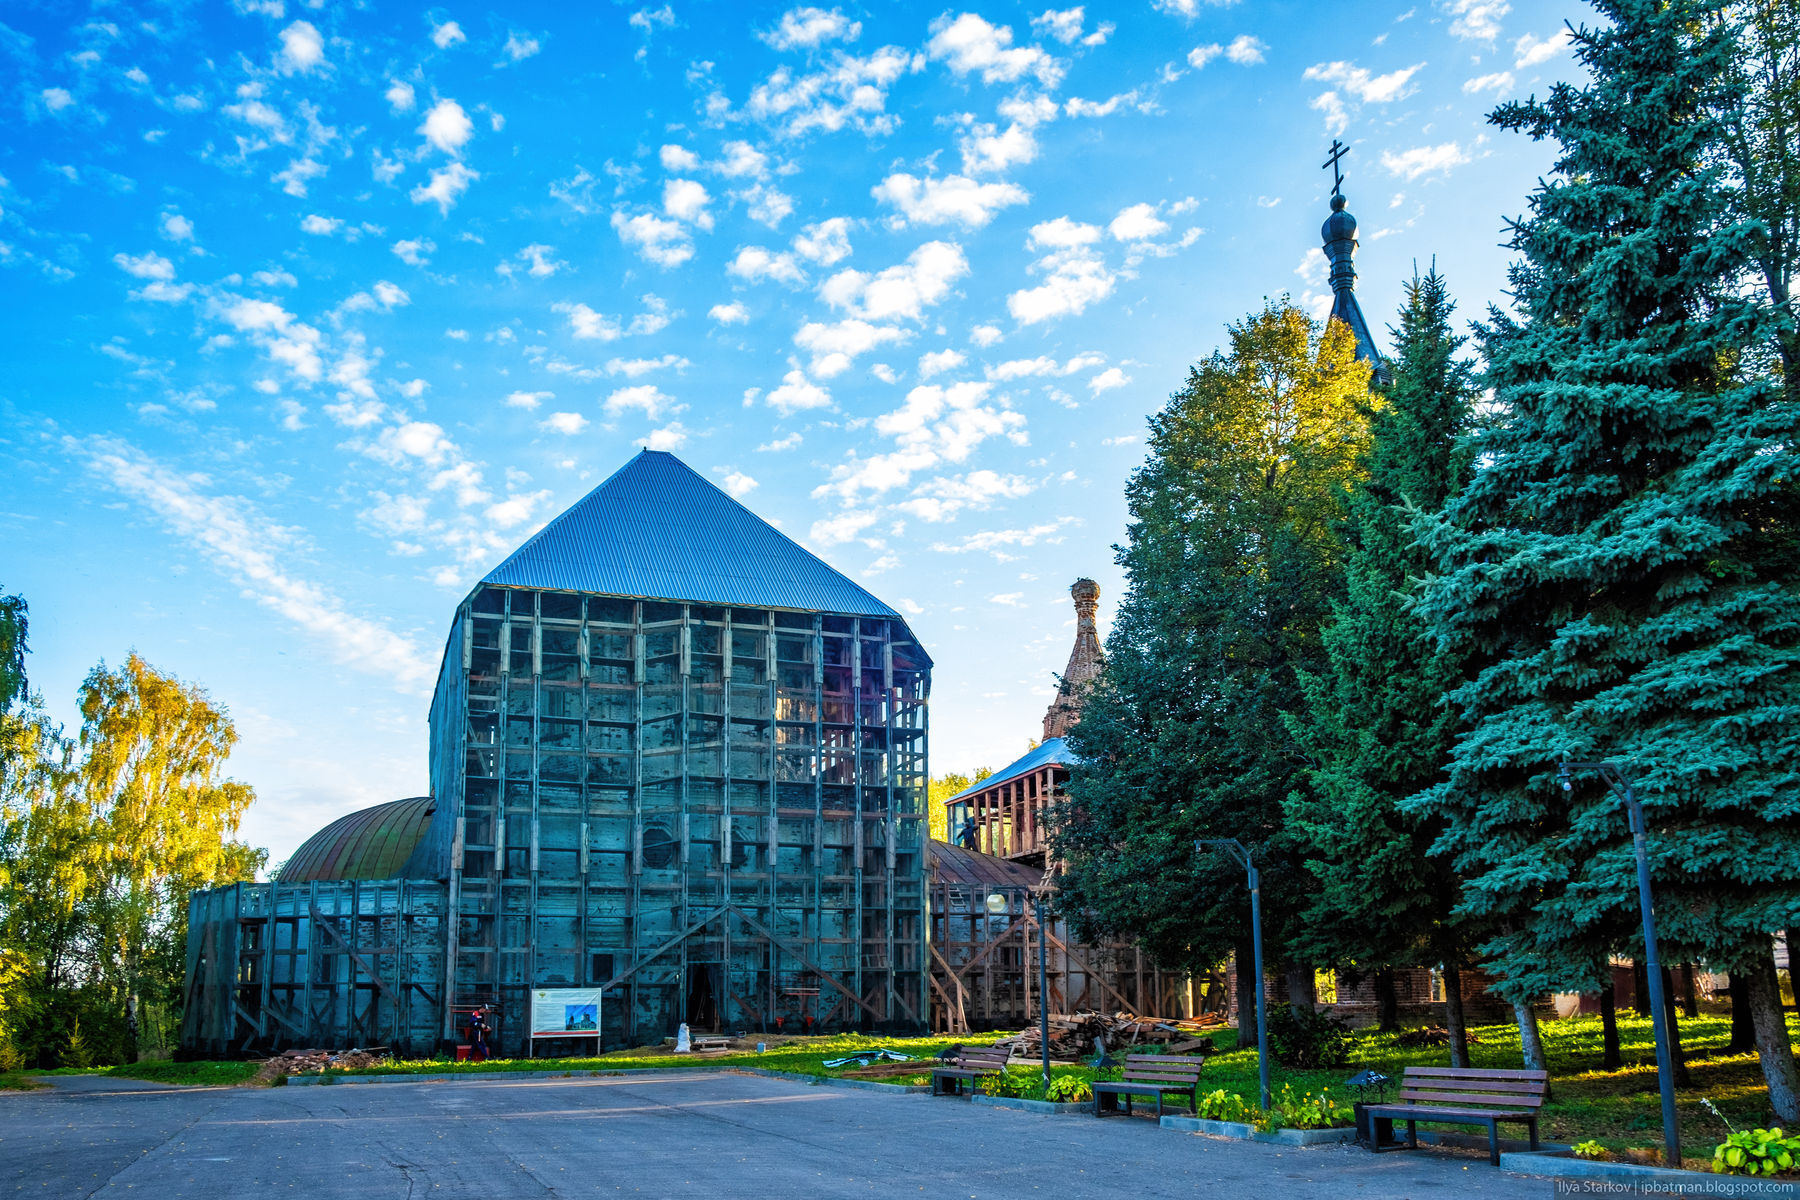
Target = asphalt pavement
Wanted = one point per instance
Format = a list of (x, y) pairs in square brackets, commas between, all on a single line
[(692, 1133)]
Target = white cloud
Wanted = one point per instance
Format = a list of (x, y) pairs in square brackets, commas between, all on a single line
[(645, 397), (941, 499), (849, 92), (1074, 276), (797, 394), (825, 243), (780, 444), (985, 335), (302, 48), (1499, 81), (899, 291), (806, 28), (632, 368), (986, 149), (833, 347), (564, 422), (1424, 160), (739, 485), (969, 43), (935, 424), (589, 325), (274, 278), (671, 438), (678, 158), (995, 541), (952, 198), (1064, 26), (686, 200), (56, 99), (1363, 84), (1531, 51), (1138, 223), (247, 548), (1025, 368), (756, 263), (1107, 380), (648, 19), (1008, 599), (146, 266), (845, 527), (729, 314), (768, 205), (528, 400), (662, 242), (177, 228), (319, 226), (447, 126), (1199, 56), (939, 361), (400, 96), (415, 252), (742, 161), (519, 47), (447, 35), (1476, 20), (1245, 50), (447, 183)]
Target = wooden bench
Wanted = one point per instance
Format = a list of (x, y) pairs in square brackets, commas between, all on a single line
[(1159, 1075), (1461, 1096), (972, 1063)]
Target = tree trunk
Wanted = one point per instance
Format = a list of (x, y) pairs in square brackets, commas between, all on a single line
[(1690, 994), (1762, 996), (1743, 1029), (1387, 1001), (1609, 1025), (1531, 1042), (1640, 988), (1300, 989), (1247, 984), (1677, 1059), (1453, 1016)]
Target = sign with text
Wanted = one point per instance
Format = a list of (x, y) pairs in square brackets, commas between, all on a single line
[(565, 1012)]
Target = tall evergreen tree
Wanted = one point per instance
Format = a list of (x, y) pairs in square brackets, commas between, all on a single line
[(1375, 727), (1234, 558), (1615, 569)]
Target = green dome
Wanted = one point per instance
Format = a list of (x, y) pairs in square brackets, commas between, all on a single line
[(373, 843)]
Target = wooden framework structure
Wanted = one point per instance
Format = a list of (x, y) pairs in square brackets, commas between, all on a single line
[(984, 963)]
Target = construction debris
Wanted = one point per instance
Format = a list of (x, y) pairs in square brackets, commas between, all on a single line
[(1413, 1039), (864, 1058), (311, 1062), (1074, 1036)]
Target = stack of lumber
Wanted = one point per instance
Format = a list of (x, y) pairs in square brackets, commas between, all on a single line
[(1073, 1036)]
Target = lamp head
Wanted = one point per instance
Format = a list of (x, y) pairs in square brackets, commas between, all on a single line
[(1568, 783), (997, 903)]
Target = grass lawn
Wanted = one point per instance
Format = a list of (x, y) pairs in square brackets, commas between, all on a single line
[(204, 1074), (1620, 1109)]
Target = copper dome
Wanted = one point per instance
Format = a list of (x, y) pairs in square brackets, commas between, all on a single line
[(373, 843)]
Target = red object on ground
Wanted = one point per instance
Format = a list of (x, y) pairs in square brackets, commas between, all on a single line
[(462, 1053)]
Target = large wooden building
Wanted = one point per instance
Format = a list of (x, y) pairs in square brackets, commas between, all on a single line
[(673, 755)]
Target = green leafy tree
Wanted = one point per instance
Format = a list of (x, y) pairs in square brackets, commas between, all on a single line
[(1618, 572), (1375, 728), (154, 752), (942, 788), (1233, 560)]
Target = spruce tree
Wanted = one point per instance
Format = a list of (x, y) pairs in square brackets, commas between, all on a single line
[(1234, 557), (1615, 570), (1375, 726)]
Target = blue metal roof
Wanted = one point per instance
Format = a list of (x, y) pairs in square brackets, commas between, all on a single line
[(1054, 752), (658, 530)]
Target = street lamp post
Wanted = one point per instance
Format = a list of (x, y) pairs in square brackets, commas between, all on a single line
[(1621, 784), (1238, 851)]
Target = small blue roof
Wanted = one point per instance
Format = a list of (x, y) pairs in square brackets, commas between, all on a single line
[(658, 530), (1054, 752)]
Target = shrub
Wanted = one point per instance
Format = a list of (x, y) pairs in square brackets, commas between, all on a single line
[(1313, 1112), (1308, 1040), (1756, 1152), (1069, 1089), (1588, 1150), (1222, 1105), (1013, 1082)]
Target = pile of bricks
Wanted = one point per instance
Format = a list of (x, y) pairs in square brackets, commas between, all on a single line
[(311, 1062)]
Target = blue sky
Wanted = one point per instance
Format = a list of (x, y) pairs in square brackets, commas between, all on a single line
[(316, 310)]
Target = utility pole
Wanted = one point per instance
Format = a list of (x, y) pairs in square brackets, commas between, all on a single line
[(1238, 851)]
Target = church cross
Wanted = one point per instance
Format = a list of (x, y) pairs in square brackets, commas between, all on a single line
[(1338, 150)]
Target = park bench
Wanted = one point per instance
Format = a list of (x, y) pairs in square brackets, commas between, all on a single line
[(1159, 1075), (970, 1064), (1461, 1096)]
